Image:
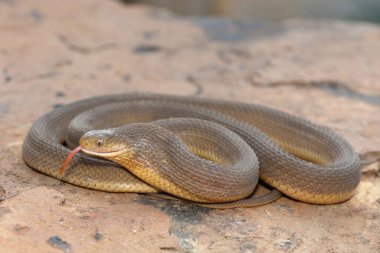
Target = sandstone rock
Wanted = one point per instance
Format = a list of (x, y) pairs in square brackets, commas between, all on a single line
[(52, 53)]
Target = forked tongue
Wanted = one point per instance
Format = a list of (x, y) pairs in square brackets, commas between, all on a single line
[(68, 159)]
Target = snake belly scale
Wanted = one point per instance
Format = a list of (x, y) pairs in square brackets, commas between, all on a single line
[(207, 151)]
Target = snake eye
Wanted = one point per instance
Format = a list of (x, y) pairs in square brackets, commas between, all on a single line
[(99, 142)]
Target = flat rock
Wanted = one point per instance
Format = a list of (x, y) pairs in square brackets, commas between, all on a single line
[(52, 53)]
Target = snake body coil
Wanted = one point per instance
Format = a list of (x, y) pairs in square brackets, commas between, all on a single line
[(305, 161)]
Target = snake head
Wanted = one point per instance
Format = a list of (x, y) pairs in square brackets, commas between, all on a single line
[(132, 143), (109, 143), (105, 143)]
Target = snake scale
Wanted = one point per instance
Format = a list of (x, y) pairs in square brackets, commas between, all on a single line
[(211, 152)]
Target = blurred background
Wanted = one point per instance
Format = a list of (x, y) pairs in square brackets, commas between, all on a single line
[(366, 10)]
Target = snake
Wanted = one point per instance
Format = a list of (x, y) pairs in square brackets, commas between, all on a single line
[(206, 151)]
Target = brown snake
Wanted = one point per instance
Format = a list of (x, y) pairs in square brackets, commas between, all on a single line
[(202, 150)]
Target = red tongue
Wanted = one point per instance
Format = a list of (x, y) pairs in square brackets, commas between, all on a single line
[(68, 159)]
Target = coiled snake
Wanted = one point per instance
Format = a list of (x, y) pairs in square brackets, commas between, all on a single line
[(211, 152)]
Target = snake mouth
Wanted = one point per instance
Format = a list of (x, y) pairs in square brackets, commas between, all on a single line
[(104, 154)]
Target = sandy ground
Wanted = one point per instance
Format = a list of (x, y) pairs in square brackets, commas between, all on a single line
[(52, 53)]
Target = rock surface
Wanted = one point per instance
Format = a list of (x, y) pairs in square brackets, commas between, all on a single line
[(53, 53)]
